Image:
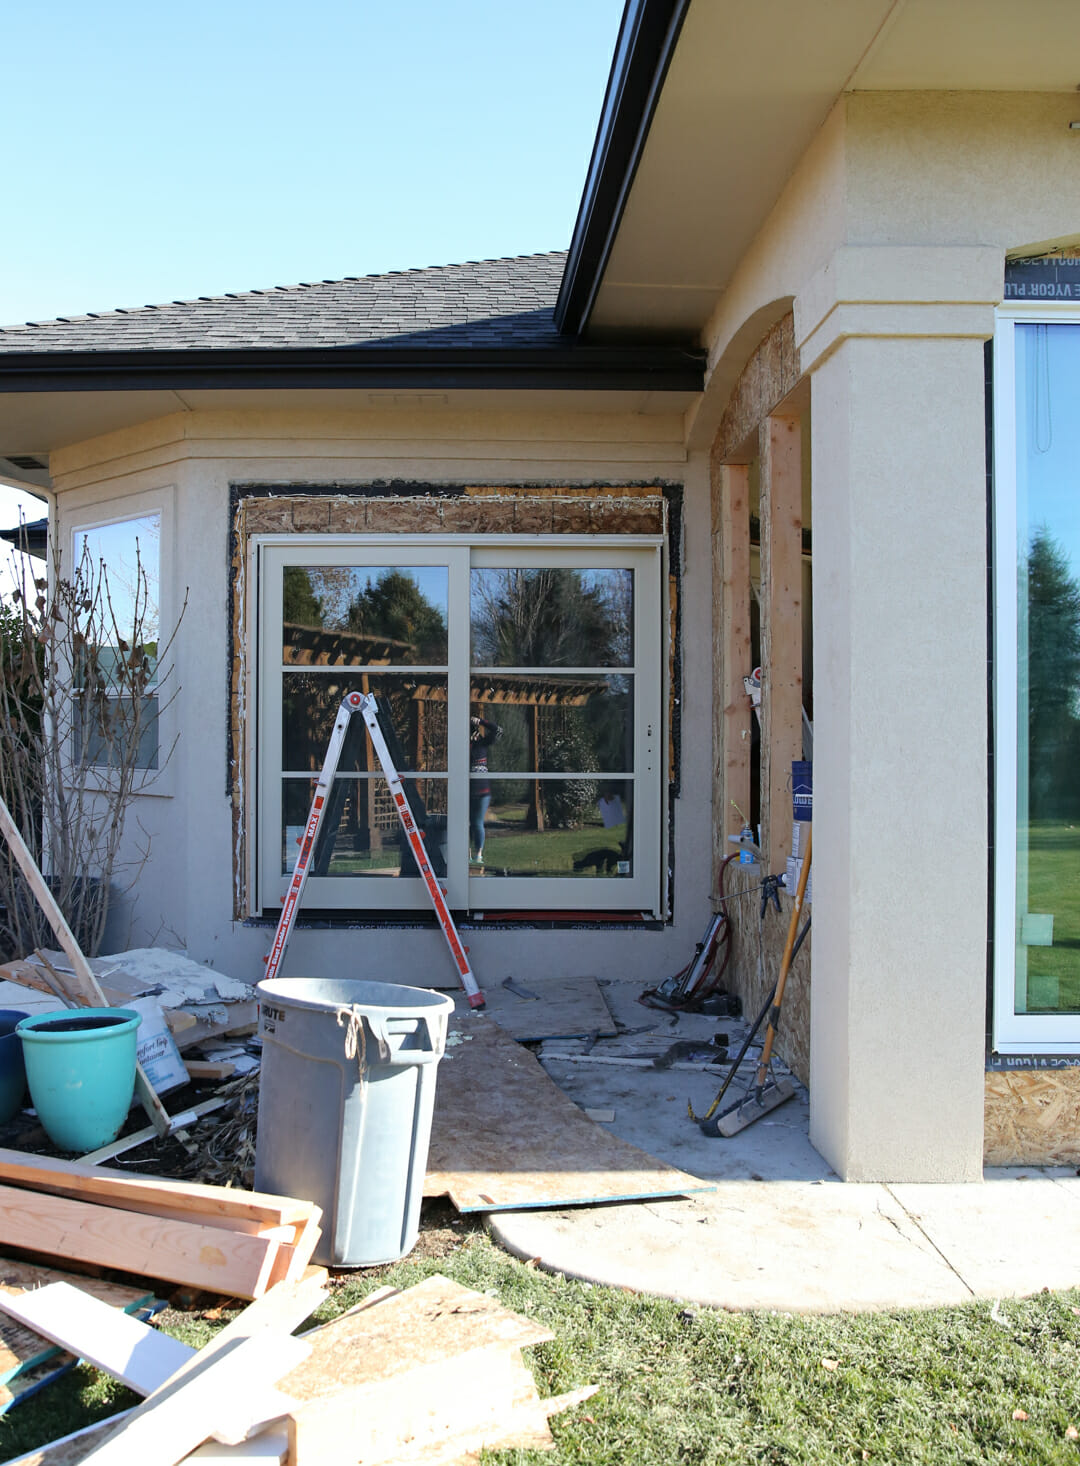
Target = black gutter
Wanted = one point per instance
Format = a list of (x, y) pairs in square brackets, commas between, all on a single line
[(557, 368), (647, 39)]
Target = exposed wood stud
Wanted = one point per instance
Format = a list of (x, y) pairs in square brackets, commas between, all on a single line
[(780, 451), (731, 642)]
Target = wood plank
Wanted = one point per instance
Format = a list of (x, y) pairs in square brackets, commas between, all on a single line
[(543, 1151), (140, 1137), (277, 1312), (20, 1348), (86, 984), (140, 1357), (122, 1188), (205, 1069), (179, 1417), (565, 1007), (732, 714), (780, 442), (270, 1446), (200, 1256)]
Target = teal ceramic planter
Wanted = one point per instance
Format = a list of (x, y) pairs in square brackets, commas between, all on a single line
[(12, 1071), (80, 1069)]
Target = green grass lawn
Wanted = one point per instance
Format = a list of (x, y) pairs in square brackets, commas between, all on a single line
[(700, 1386), (1054, 888), (509, 848)]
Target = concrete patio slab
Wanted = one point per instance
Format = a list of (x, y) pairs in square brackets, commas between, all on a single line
[(781, 1231)]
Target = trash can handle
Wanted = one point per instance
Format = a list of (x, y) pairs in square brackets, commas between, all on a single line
[(352, 1018)]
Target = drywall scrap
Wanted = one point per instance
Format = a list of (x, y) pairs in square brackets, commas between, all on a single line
[(198, 1002)]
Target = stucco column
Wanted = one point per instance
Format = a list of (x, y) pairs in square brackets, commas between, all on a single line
[(893, 341)]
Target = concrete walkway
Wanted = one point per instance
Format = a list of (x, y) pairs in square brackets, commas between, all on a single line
[(781, 1231)]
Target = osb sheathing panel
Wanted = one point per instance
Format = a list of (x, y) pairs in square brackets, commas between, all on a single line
[(768, 377), (544, 1150), (757, 947), (1032, 1118), (478, 509)]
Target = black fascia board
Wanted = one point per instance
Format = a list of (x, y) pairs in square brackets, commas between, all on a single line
[(570, 368), (647, 39)]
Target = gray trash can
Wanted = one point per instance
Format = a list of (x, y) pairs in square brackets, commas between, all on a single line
[(346, 1095)]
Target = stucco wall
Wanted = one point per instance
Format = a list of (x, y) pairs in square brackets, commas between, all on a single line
[(184, 895), (890, 240)]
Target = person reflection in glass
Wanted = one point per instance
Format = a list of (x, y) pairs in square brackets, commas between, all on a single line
[(482, 734)]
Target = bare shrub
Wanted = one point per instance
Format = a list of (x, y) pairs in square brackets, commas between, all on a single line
[(84, 679)]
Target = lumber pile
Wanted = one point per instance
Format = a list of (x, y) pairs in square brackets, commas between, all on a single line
[(28, 1361), (431, 1375), (238, 1243)]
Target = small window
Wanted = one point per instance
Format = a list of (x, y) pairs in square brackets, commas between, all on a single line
[(520, 692), (119, 564)]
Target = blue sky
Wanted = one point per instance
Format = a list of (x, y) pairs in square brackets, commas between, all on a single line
[(156, 152), (152, 153)]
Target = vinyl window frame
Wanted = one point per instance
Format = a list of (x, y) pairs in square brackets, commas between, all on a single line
[(1012, 1032), (641, 893)]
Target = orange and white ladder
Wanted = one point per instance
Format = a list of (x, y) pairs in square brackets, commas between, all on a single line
[(365, 704)]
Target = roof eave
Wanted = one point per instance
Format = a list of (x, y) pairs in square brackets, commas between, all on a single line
[(647, 38), (569, 368)]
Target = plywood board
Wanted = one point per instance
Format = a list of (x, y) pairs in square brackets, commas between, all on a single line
[(504, 1136), (1032, 1118), (20, 1348), (200, 1256), (565, 1007), (424, 1324)]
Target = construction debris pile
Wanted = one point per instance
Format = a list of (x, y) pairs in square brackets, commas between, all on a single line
[(432, 1374)]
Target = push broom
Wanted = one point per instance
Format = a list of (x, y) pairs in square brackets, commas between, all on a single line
[(764, 1093)]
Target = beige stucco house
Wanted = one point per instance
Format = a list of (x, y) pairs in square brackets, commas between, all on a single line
[(800, 395)]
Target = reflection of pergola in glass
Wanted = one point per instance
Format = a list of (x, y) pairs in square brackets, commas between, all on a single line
[(311, 647)]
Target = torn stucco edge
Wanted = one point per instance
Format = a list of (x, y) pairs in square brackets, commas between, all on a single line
[(292, 509)]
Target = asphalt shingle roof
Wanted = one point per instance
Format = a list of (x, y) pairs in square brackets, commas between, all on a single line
[(483, 304)]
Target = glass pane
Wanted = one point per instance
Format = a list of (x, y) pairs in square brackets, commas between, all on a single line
[(413, 721), (124, 560), (552, 827), (361, 834), (1048, 644), (543, 617), (109, 725), (365, 616), (552, 724)]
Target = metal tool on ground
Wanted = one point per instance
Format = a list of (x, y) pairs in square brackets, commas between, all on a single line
[(512, 985), (699, 980), (367, 706), (764, 1093)]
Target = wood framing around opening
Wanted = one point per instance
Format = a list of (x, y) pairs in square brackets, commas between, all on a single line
[(731, 642), (780, 454)]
